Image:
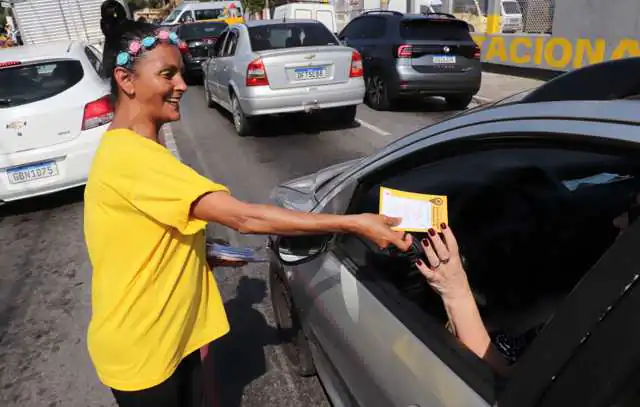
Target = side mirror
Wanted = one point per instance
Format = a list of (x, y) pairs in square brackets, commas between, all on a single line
[(296, 250)]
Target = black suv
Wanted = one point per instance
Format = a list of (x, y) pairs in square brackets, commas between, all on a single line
[(411, 55), (199, 37)]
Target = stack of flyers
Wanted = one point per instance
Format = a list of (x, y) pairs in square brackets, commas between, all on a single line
[(245, 254)]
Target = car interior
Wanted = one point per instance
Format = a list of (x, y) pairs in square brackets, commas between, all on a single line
[(530, 222)]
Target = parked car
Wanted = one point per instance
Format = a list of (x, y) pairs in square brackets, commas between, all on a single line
[(533, 185), (199, 38), (265, 67), (409, 55), (54, 108)]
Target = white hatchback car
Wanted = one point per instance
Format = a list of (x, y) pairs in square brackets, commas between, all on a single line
[(54, 107)]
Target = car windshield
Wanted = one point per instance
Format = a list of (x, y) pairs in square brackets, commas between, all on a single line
[(174, 14), (290, 35), (30, 83), (201, 30), (435, 29), (511, 7)]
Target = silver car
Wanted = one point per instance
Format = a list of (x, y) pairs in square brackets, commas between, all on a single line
[(536, 188), (269, 67)]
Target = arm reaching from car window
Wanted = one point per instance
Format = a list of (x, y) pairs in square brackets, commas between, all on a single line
[(222, 208), (445, 274)]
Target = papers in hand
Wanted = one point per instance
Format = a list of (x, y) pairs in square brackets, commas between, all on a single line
[(419, 212), (244, 254)]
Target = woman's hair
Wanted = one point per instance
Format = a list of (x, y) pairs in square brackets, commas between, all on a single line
[(119, 31)]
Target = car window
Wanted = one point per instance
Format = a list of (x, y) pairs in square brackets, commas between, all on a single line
[(186, 17), (219, 47), (30, 83), (507, 206), (231, 45), (173, 15), (374, 27), (428, 29), (209, 14), (354, 30), (201, 30), (95, 61), (290, 35)]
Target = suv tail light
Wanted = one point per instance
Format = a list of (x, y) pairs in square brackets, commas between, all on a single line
[(97, 113), (405, 51), (356, 65), (256, 74), (9, 63), (477, 52)]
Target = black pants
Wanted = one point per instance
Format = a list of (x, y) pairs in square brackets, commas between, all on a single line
[(183, 389)]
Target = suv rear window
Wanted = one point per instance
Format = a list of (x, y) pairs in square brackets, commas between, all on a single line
[(290, 35), (201, 30), (443, 30), (30, 83)]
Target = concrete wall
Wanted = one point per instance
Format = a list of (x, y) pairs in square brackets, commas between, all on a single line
[(611, 19)]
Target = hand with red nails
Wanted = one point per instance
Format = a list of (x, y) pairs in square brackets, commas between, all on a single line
[(443, 269)]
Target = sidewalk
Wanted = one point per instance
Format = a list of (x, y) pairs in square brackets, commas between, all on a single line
[(496, 86)]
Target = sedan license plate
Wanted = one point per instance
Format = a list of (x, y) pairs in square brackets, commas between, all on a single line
[(306, 74), (32, 172), (444, 59)]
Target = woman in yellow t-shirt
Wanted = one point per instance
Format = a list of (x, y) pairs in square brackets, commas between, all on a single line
[(154, 300)]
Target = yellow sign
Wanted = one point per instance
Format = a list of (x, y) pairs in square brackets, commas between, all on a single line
[(551, 52), (419, 212)]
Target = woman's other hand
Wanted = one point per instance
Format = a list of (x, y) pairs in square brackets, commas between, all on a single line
[(378, 229), (444, 271)]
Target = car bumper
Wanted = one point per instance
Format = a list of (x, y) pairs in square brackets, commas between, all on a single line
[(193, 66), (73, 160), (264, 100), (438, 84)]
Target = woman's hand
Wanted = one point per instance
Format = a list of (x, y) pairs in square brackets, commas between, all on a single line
[(444, 273), (377, 228)]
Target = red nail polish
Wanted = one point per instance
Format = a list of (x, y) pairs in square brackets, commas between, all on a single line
[(432, 232), (425, 242), (443, 226), (419, 262)]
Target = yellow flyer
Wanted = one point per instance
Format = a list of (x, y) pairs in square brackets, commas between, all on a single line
[(419, 212)]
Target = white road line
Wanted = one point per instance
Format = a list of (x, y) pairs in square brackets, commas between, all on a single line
[(373, 128), (170, 141)]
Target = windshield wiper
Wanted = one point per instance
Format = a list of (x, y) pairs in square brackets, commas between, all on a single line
[(5, 101)]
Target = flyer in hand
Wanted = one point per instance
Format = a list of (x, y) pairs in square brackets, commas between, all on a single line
[(419, 212), (245, 254)]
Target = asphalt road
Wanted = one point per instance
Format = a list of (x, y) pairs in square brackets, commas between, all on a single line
[(45, 274)]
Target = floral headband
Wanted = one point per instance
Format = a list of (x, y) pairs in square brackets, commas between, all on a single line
[(125, 58)]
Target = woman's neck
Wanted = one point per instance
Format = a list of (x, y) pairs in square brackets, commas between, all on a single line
[(130, 117)]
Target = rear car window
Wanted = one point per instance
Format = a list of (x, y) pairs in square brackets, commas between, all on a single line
[(290, 35), (442, 30), (201, 30), (30, 83)]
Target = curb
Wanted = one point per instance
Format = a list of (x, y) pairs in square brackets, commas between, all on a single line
[(481, 100)]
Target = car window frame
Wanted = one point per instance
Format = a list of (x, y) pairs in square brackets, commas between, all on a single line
[(481, 380), (232, 39), (220, 45), (94, 61), (352, 23)]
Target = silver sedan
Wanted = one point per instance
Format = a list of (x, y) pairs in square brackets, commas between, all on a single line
[(273, 66)]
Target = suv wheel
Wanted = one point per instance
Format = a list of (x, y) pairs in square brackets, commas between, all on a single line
[(242, 123), (295, 344), (459, 102), (378, 93)]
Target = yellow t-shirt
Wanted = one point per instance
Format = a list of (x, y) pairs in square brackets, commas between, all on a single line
[(154, 299)]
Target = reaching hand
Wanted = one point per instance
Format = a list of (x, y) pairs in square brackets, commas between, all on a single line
[(444, 271), (378, 229)]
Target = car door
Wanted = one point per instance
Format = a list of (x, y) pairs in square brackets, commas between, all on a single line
[(212, 67), (382, 349), (225, 66)]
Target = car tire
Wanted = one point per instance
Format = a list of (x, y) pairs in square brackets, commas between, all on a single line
[(242, 123), (294, 343), (345, 115), (459, 102), (207, 94), (378, 93)]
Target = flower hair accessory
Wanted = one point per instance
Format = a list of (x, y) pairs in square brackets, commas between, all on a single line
[(135, 48)]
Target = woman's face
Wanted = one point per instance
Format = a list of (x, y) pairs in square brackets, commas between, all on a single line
[(157, 83)]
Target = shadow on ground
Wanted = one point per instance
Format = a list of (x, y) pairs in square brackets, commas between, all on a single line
[(42, 203)]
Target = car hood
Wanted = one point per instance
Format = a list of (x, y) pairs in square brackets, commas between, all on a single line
[(301, 193)]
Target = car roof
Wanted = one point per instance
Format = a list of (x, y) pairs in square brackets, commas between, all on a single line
[(50, 50), (205, 5), (262, 23)]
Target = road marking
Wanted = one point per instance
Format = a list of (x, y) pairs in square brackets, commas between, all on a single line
[(170, 141), (373, 128)]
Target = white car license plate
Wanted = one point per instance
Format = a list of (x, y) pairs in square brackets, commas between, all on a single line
[(444, 59), (306, 74), (32, 172)]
